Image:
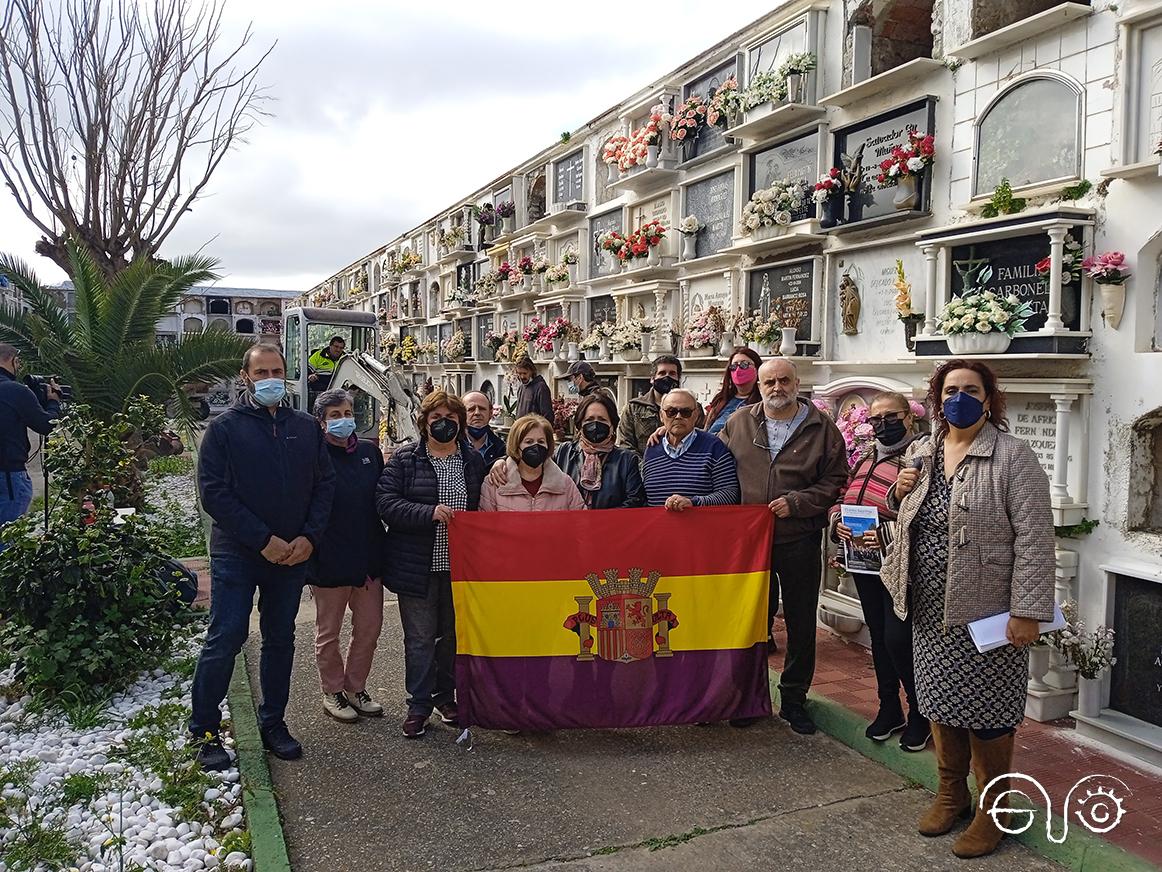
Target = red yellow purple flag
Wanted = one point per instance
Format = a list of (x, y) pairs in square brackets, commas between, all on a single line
[(615, 618)]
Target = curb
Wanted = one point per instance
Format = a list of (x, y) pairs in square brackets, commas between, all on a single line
[(267, 842), (1082, 851)]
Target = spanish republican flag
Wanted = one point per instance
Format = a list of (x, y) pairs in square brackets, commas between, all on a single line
[(614, 618)]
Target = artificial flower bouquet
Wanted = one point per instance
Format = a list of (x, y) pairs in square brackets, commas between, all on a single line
[(774, 206), (910, 161)]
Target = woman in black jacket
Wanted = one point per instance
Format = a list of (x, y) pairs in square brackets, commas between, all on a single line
[(421, 487), (345, 568), (607, 476)]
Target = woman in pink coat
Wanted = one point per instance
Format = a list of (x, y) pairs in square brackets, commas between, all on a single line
[(534, 483)]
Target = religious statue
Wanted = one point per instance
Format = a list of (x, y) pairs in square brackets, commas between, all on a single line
[(849, 305), (640, 313), (765, 298)]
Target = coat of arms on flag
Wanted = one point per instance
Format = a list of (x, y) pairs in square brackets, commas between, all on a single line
[(625, 617)]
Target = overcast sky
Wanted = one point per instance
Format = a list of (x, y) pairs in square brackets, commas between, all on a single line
[(385, 112)]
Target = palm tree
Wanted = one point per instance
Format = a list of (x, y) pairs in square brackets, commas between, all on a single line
[(107, 351)]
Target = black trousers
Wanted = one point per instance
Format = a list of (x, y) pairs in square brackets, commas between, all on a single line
[(891, 644), (796, 570)]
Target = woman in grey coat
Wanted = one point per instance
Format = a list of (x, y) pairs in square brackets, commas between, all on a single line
[(974, 539)]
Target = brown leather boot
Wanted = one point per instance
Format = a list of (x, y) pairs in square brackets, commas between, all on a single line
[(952, 798), (990, 758)]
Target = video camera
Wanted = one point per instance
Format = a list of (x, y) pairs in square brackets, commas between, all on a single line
[(39, 385)]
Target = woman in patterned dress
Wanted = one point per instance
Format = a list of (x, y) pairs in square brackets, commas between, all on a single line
[(974, 539)]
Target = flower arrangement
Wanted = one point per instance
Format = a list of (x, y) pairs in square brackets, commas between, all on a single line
[(1092, 653), (910, 161), (453, 237), (388, 345), (555, 330), (1106, 269), (563, 412), (773, 206), (626, 335), (540, 265), (570, 257), (764, 87), (904, 310), (484, 214), (533, 331), (407, 352), (742, 325), (525, 264), (460, 298), (592, 340), (705, 328), (407, 259), (658, 125), (688, 120), (501, 344), (1072, 263), (689, 225), (613, 149), (611, 241), (507, 209), (726, 102), (427, 348), (488, 285), (830, 185), (504, 271), (858, 435), (516, 277), (323, 297), (557, 275), (639, 243), (984, 312), (801, 62), (455, 347)]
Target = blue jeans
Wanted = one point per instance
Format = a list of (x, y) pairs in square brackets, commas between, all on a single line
[(15, 496), (429, 645), (232, 584)]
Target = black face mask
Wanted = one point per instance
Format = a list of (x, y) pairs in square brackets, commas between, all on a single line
[(444, 430), (534, 455), (890, 432), (595, 431), (665, 384)]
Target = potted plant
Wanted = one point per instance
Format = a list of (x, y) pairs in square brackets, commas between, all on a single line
[(904, 308), (765, 89), (725, 106), (650, 236), (625, 340), (794, 72), (570, 259), (611, 154), (452, 238), (539, 266), (829, 195), (507, 213), (689, 227), (485, 215), (573, 337), (455, 347), (1106, 270), (703, 332), (427, 351), (612, 242), (655, 133), (687, 123), (532, 334), (557, 275), (1092, 654), (983, 322), (905, 166), (770, 210), (788, 315)]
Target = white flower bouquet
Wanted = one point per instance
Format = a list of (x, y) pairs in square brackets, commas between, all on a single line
[(984, 312)]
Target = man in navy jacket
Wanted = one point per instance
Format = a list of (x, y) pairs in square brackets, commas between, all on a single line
[(20, 411), (265, 479)]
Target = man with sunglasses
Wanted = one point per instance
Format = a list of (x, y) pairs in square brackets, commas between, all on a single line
[(687, 467), (791, 458)]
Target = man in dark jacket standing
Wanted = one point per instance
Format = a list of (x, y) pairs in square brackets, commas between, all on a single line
[(584, 379), (534, 397), (20, 411), (266, 480), (480, 434), (791, 458)]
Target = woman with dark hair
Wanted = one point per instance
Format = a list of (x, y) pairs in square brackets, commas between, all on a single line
[(423, 485), (607, 476), (739, 388), (345, 568), (974, 538)]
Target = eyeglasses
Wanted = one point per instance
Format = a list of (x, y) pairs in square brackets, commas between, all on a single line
[(742, 364), (678, 412), (876, 420)]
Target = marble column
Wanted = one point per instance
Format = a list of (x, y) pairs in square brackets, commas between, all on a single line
[(931, 253), (1059, 488), (1053, 322)]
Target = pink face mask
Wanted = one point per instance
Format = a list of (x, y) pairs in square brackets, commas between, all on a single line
[(742, 376)]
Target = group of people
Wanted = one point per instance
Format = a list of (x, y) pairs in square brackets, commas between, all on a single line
[(965, 532)]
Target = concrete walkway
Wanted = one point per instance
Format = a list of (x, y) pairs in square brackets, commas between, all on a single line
[(712, 799)]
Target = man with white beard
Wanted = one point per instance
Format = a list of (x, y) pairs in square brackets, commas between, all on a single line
[(792, 459)]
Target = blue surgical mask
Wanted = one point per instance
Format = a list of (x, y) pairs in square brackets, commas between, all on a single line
[(962, 410), (269, 391), (341, 428)]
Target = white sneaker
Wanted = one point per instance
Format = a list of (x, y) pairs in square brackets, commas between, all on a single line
[(364, 704), (338, 707)]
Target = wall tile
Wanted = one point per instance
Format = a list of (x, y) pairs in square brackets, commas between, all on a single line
[(1048, 48), (962, 136), (1098, 98), (1099, 62), (1074, 65), (1073, 39), (1101, 29), (1099, 129)]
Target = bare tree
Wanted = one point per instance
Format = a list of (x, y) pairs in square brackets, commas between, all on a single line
[(114, 116)]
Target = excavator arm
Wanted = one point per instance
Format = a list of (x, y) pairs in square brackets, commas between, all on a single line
[(398, 402)]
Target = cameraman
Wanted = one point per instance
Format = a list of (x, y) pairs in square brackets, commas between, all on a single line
[(20, 411)]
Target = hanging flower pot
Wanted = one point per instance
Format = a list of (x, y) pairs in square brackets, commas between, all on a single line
[(905, 197), (788, 347), (689, 246), (651, 156), (794, 87), (1113, 302), (911, 325), (726, 344), (979, 343)]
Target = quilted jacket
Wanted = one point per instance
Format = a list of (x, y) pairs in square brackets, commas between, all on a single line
[(406, 496), (1000, 532)]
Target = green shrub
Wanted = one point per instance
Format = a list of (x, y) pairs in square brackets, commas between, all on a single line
[(174, 465), (85, 608)]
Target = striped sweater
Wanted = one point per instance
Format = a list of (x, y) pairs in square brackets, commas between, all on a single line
[(705, 473), (869, 485)]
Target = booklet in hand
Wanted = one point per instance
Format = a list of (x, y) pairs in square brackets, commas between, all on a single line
[(989, 633), (860, 519)]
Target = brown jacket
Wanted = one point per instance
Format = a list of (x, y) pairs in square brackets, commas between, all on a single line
[(1000, 532), (640, 418), (810, 470)]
